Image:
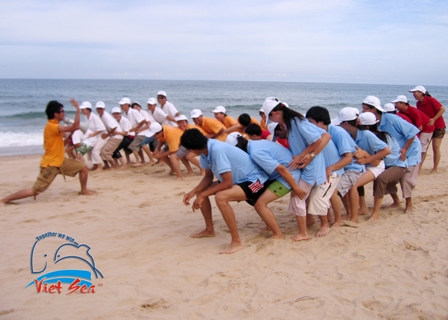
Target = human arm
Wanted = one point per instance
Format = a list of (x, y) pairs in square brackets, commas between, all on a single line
[(225, 184), (233, 128), (437, 116), (345, 160), (405, 148), (76, 122), (375, 159), (303, 159)]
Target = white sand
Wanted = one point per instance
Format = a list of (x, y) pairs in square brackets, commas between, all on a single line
[(138, 230)]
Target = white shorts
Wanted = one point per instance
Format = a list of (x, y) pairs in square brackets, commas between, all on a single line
[(320, 196), (297, 205), (348, 180), (425, 139), (378, 169)]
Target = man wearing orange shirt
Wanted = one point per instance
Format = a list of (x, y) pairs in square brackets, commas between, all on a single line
[(54, 162), (213, 128)]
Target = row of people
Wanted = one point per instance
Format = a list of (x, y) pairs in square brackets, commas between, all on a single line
[(333, 160)]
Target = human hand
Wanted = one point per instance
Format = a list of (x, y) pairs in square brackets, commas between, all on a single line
[(187, 197), (402, 154), (431, 122), (197, 204), (74, 103), (299, 193)]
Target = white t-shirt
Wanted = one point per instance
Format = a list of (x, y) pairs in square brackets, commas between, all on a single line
[(134, 118), (170, 110), (110, 124), (150, 119), (79, 137), (95, 124), (125, 125), (160, 117)]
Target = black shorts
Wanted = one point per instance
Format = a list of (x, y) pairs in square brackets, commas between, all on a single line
[(252, 196)]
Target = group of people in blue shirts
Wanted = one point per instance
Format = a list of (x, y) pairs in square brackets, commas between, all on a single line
[(328, 162)]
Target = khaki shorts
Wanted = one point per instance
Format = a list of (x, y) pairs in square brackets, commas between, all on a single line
[(425, 139), (70, 167)]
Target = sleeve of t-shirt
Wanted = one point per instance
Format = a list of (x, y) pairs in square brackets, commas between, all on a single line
[(99, 125), (375, 143), (407, 129), (214, 126), (309, 131), (76, 136), (435, 103)]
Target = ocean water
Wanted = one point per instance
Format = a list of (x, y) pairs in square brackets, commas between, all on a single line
[(23, 101)]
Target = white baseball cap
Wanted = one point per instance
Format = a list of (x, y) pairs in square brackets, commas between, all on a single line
[(152, 101), (219, 109), (154, 128), (345, 114), (269, 104), (232, 138), (181, 117), (418, 88), (161, 93), (100, 105), (196, 113), (85, 105), (261, 110), (389, 107), (367, 118), (124, 101), (374, 102), (400, 99), (116, 110)]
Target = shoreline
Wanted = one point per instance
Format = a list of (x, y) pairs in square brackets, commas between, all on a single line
[(21, 151)]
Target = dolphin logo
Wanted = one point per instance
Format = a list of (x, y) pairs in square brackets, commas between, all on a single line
[(32, 260), (76, 251)]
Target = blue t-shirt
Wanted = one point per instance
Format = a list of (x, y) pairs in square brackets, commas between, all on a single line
[(402, 131), (302, 134), (269, 155), (345, 144), (369, 142), (223, 157), (393, 158)]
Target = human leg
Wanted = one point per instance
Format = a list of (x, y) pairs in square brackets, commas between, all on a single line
[(355, 199), (206, 210), (261, 206), (298, 207), (436, 143), (222, 198)]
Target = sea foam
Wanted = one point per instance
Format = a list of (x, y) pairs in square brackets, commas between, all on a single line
[(20, 139)]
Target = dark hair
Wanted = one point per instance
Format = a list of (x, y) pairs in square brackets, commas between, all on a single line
[(135, 104), (242, 143), (427, 94), (53, 107), (253, 129), (353, 123), (288, 114), (244, 119), (382, 135), (193, 139), (319, 114)]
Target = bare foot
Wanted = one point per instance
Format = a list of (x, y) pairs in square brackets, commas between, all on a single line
[(408, 209), (152, 163), (172, 173), (345, 217), (266, 229), (233, 247), (190, 173), (434, 170), (362, 212), (337, 224), (350, 223), (395, 205), (2, 204), (137, 164), (203, 234), (323, 231), (299, 237), (180, 178), (374, 217), (85, 193)]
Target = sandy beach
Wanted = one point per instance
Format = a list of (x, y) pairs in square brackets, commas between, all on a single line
[(138, 231)]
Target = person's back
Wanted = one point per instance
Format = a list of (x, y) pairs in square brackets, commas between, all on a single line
[(223, 157), (268, 155), (53, 145), (213, 126)]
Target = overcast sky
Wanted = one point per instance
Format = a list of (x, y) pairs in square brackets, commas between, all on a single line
[(342, 41)]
